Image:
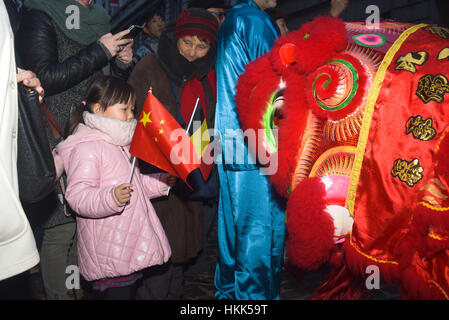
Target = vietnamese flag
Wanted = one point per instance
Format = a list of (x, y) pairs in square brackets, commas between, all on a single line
[(151, 141)]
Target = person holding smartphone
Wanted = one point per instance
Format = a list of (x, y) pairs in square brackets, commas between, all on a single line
[(66, 58)]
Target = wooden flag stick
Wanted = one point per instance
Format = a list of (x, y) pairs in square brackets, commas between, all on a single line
[(193, 113)]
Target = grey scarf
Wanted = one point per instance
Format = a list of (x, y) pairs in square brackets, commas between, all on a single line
[(94, 21)]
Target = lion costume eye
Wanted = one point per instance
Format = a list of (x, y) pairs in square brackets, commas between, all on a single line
[(271, 118)]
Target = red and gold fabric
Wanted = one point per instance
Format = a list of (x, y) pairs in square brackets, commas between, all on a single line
[(360, 128), (406, 114)]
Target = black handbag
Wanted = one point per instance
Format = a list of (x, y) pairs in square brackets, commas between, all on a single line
[(35, 166), (202, 190)]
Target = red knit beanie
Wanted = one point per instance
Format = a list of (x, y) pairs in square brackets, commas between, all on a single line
[(197, 22)]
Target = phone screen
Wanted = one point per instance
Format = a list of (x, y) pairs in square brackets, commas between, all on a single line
[(134, 31)]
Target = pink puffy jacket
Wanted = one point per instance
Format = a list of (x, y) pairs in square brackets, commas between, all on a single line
[(113, 240)]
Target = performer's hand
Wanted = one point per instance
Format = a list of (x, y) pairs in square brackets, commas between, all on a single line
[(337, 7), (169, 179), (123, 193)]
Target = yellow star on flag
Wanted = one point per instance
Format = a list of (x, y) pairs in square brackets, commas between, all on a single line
[(162, 122), (161, 131), (146, 119)]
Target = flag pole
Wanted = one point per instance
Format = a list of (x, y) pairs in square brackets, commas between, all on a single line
[(132, 170), (193, 113), (131, 175), (134, 158)]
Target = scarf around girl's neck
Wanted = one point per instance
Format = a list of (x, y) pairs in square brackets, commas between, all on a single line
[(94, 20), (114, 131)]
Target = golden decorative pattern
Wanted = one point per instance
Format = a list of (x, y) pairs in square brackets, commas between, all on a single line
[(411, 60), (440, 288), (430, 200), (408, 172), (434, 191), (444, 54), (437, 233), (437, 236), (437, 182), (420, 129), (309, 150), (369, 111), (440, 31), (335, 161), (435, 195), (432, 87), (343, 129), (368, 256), (434, 208)]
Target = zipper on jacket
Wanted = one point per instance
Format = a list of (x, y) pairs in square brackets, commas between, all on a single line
[(142, 194)]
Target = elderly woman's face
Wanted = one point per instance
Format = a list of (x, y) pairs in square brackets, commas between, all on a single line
[(192, 48)]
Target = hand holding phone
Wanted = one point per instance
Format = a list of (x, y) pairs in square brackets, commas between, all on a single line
[(134, 30), (114, 42)]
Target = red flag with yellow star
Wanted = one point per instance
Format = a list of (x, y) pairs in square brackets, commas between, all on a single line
[(162, 142)]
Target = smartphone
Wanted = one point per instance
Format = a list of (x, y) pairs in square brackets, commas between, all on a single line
[(134, 30)]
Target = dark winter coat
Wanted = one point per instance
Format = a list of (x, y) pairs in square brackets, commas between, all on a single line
[(65, 69)]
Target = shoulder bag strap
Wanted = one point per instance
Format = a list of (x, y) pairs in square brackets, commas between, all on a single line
[(54, 125)]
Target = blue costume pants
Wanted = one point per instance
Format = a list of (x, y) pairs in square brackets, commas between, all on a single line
[(251, 233)]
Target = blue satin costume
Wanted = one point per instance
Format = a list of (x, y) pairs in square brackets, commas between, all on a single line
[(251, 220)]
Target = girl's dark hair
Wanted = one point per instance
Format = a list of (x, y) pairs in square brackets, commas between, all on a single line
[(106, 91)]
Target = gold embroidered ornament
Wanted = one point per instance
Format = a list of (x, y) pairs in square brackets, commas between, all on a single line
[(410, 60), (441, 32), (408, 172), (444, 54), (420, 129), (432, 87)]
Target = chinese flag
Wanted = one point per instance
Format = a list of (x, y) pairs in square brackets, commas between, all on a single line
[(151, 141)]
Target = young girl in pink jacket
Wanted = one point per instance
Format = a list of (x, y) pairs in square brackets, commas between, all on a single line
[(119, 233)]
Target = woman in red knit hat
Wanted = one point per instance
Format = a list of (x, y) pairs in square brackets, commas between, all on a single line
[(180, 72)]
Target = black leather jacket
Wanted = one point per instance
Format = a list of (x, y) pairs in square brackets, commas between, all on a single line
[(65, 69), (37, 46)]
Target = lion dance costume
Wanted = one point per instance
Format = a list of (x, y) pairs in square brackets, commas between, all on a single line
[(362, 122)]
